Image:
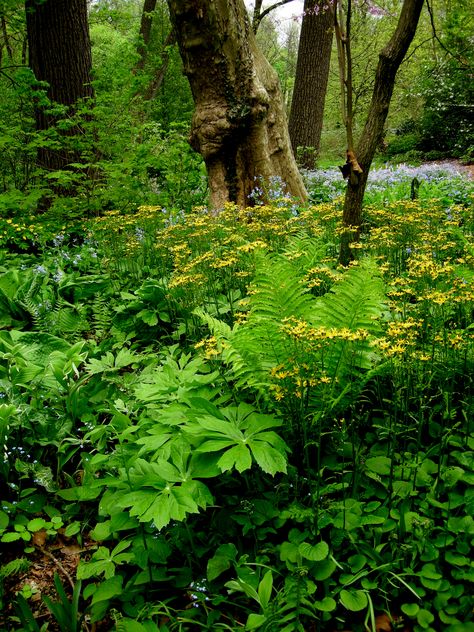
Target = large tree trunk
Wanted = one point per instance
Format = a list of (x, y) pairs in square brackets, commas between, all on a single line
[(312, 72), (59, 54), (239, 124), (389, 62)]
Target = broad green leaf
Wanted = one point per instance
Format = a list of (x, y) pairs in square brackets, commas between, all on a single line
[(159, 512), (184, 500), (314, 553), (10, 537), (138, 501), (121, 546), (410, 609), (244, 587), (328, 604), (148, 316), (270, 460), (256, 423), (80, 493), (108, 589), (72, 529), (220, 427), (167, 471), (354, 600), (215, 445), (130, 625), (357, 562), (290, 552), (199, 404), (425, 618), (239, 456), (430, 572), (324, 569), (379, 464), (254, 621), (463, 524), (85, 570), (221, 561), (457, 559), (101, 531), (153, 442), (36, 524), (265, 589), (204, 465), (451, 475), (372, 519), (4, 520)]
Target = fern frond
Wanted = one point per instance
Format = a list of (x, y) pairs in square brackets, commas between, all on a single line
[(101, 315), (305, 251), (357, 301), (279, 292), (245, 363)]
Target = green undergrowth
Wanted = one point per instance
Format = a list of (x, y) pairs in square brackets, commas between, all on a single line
[(236, 432)]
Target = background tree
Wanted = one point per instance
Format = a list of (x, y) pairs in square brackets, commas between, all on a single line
[(358, 166), (60, 55), (239, 124), (145, 33), (312, 72), (446, 125)]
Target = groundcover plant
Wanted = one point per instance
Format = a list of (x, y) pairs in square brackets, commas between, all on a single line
[(207, 424)]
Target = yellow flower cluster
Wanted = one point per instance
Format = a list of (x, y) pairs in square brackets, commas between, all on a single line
[(210, 347), (425, 254), (302, 330), (296, 380)]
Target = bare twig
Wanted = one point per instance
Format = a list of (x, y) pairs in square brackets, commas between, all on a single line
[(258, 18), (462, 61), (58, 564)]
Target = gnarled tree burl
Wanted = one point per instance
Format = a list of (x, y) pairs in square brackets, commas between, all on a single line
[(239, 124)]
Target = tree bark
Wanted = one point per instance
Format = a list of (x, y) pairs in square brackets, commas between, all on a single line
[(145, 32), (59, 54), (312, 73), (390, 59), (239, 124)]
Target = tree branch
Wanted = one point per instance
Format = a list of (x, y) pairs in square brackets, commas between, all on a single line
[(436, 37), (258, 18)]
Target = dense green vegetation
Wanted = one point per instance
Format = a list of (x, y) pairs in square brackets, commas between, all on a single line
[(234, 429), (206, 422)]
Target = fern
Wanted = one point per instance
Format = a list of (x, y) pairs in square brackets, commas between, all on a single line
[(278, 290), (351, 312), (14, 567), (246, 365), (305, 251), (101, 315), (356, 303)]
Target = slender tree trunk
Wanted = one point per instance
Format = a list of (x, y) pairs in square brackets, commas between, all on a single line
[(256, 19), (160, 73), (145, 32), (6, 38), (312, 72), (59, 54), (389, 62), (239, 124)]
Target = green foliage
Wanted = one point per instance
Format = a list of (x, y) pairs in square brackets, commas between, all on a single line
[(318, 350), (236, 432)]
